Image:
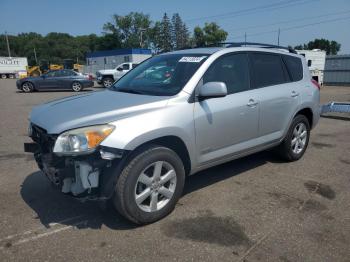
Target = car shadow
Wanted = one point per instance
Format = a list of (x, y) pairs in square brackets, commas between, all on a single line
[(51, 206), (228, 170)]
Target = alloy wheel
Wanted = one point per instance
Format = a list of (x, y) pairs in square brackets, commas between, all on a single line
[(155, 186), (27, 87), (107, 83), (299, 138), (76, 87)]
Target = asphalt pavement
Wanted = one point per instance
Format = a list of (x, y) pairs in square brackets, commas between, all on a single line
[(257, 208)]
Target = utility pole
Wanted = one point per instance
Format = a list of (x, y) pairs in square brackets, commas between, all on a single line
[(278, 38), (141, 33), (8, 44), (245, 38), (36, 58)]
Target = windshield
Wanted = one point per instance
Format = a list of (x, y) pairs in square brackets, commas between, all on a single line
[(163, 75)]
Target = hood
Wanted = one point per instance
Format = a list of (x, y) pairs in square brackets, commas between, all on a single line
[(92, 109), (30, 78), (107, 71)]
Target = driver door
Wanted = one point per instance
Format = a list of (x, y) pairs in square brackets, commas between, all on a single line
[(50, 80), (122, 70), (227, 125)]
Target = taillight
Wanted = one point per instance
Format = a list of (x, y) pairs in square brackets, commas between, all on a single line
[(316, 84), (90, 77)]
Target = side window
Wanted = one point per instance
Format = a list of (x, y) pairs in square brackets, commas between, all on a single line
[(126, 66), (268, 69), (51, 74), (70, 73), (231, 69), (309, 63), (294, 66), (62, 73)]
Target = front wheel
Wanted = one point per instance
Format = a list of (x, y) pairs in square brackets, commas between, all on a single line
[(27, 87), (295, 143), (76, 86), (150, 185), (107, 82)]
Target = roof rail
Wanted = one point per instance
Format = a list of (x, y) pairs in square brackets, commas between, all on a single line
[(261, 45)]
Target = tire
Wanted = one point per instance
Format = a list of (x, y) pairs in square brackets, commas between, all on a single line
[(77, 86), (3, 76), (11, 76), (107, 82), (27, 87), (295, 143), (138, 184)]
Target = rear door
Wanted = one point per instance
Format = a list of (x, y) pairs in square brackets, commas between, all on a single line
[(227, 125), (66, 79), (278, 94)]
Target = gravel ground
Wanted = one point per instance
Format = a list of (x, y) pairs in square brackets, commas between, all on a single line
[(252, 209)]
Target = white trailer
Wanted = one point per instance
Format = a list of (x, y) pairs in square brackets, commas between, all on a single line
[(316, 60), (13, 67)]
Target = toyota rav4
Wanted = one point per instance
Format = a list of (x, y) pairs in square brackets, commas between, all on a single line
[(172, 116)]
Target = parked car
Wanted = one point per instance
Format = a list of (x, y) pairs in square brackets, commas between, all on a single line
[(55, 79), (108, 76), (136, 142)]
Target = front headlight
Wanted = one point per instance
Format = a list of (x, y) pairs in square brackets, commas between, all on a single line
[(81, 140)]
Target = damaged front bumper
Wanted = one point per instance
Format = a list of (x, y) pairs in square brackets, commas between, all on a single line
[(87, 177)]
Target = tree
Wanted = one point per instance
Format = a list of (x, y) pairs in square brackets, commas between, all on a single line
[(210, 34), (165, 41), (180, 36), (127, 29), (331, 47)]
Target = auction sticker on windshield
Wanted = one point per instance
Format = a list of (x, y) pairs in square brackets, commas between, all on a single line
[(192, 59)]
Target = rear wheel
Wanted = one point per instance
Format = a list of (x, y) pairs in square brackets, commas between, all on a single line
[(77, 86), (27, 87), (107, 82), (294, 145), (3, 76), (11, 76), (150, 185)]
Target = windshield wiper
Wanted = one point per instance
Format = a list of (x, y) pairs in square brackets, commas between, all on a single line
[(131, 91)]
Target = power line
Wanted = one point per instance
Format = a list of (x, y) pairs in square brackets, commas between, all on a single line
[(253, 10), (289, 21), (295, 27)]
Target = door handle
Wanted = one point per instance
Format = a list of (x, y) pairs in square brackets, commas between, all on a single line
[(252, 103), (294, 94)]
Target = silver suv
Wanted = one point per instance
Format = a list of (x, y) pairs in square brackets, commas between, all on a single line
[(172, 116)]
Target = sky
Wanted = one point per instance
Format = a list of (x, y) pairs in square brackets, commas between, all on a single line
[(299, 21)]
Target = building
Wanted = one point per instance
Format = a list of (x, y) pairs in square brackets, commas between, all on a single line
[(337, 70), (316, 60), (110, 59)]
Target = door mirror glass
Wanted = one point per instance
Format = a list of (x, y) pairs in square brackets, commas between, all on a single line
[(212, 89)]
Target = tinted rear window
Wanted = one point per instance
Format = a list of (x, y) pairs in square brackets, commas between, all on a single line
[(268, 69), (294, 66)]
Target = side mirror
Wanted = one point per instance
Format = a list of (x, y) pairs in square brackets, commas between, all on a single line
[(211, 90), (120, 69)]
